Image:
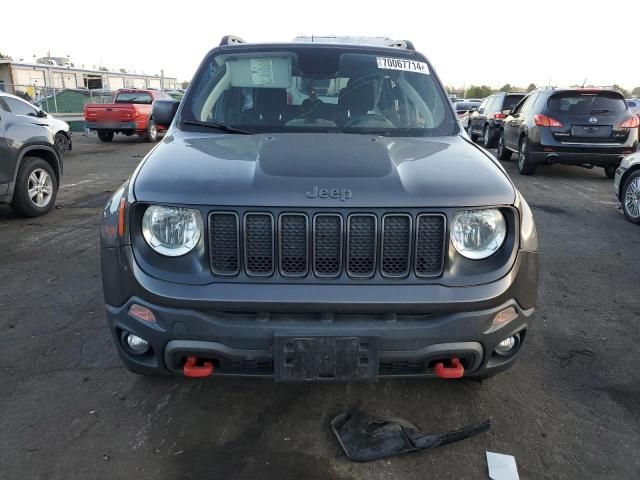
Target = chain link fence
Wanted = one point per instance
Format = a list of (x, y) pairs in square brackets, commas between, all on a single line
[(66, 100), (59, 100)]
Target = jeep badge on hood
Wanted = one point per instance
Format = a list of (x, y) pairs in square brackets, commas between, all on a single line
[(341, 193)]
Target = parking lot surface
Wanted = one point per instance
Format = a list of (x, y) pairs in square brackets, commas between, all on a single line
[(569, 409)]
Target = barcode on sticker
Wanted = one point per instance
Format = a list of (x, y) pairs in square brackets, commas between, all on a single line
[(402, 64)]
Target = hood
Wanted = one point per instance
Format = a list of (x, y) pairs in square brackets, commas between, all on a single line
[(320, 170)]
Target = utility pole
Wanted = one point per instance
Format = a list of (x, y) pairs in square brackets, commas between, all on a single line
[(53, 87)]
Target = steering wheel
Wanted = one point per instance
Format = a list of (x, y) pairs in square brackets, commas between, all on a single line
[(373, 120)]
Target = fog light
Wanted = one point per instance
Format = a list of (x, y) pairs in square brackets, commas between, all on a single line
[(136, 344), (508, 346)]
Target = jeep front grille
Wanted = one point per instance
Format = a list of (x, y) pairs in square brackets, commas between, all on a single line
[(224, 243), (294, 244), (356, 245)]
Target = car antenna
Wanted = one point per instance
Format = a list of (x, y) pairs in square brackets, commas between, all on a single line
[(585, 82)]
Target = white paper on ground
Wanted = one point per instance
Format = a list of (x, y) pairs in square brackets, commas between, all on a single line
[(502, 467)]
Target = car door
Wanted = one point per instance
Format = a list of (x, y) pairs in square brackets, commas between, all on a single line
[(474, 121), (517, 121), (511, 125)]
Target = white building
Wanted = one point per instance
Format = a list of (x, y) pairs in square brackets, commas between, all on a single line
[(21, 76)]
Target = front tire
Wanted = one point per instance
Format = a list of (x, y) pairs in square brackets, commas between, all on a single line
[(472, 136), (504, 153), (610, 171), (631, 197), (105, 136), (62, 143), (525, 166), (36, 188), (488, 140), (151, 134)]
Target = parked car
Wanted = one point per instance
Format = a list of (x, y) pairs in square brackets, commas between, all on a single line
[(129, 114), (343, 241), (627, 186), (486, 122), (30, 162), (463, 110), (59, 128), (587, 127)]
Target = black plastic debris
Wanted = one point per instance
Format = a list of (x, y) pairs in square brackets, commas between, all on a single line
[(365, 437)]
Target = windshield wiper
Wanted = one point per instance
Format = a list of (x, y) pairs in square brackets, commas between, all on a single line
[(217, 126)]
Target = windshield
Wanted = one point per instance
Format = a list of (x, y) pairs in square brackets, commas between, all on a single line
[(134, 97), (319, 89), (587, 103)]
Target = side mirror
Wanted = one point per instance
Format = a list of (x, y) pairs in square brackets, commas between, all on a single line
[(473, 109), (164, 111), (41, 114), (506, 112)]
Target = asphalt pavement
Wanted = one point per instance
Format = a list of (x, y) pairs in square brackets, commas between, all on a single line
[(569, 409)]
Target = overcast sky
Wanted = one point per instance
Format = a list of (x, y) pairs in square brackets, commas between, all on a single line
[(480, 42)]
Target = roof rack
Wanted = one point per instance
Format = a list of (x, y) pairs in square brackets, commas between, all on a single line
[(231, 40), (377, 41)]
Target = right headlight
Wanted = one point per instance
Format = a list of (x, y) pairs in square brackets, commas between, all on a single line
[(478, 234), (171, 231)]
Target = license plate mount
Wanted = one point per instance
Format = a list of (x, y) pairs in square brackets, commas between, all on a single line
[(326, 358)]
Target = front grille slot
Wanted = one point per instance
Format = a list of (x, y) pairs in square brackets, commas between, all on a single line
[(396, 245), (356, 245), (362, 233), (258, 243), (429, 245), (224, 245), (294, 242), (327, 245)]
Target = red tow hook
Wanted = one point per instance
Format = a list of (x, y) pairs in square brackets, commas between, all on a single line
[(456, 370), (190, 368)]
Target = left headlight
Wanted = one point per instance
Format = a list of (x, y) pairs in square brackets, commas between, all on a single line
[(478, 234), (172, 231)]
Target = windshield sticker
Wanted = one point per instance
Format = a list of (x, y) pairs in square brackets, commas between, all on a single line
[(261, 71), (402, 64)]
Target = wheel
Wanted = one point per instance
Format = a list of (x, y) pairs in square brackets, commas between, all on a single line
[(472, 136), (36, 188), (631, 197), (105, 136), (151, 134), (525, 166), (488, 140), (610, 171), (62, 143), (504, 153)]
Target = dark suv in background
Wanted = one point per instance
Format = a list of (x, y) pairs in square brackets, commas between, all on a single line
[(30, 158), (587, 127), (487, 120)]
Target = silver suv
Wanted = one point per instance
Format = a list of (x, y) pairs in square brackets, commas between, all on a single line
[(30, 159)]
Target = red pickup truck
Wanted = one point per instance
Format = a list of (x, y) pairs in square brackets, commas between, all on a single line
[(130, 113)]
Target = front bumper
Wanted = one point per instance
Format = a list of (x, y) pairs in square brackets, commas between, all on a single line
[(234, 325)]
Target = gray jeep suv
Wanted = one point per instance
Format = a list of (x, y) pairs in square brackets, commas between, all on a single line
[(316, 213)]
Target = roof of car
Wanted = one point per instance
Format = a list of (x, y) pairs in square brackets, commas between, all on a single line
[(326, 41)]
